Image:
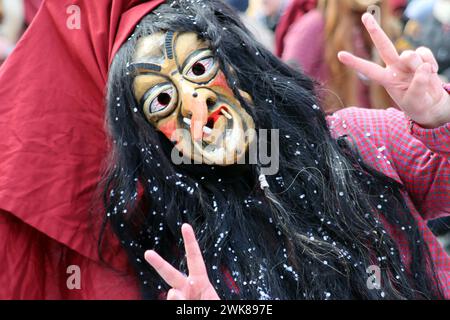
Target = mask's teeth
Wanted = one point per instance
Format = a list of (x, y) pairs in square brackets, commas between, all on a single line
[(207, 130), (226, 114), (187, 121)]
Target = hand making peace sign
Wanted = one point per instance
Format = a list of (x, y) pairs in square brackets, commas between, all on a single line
[(411, 78), (195, 286)]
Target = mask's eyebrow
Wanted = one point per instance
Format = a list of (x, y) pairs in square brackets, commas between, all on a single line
[(168, 44), (144, 65)]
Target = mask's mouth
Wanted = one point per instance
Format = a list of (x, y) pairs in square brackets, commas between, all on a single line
[(224, 140), (213, 117), (218, 123)]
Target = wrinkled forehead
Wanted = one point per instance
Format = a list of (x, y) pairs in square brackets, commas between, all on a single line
[(159, 47)]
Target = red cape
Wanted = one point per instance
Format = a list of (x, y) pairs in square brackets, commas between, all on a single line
[(53, 144)]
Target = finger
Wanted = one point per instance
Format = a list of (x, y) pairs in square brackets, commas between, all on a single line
[(367, 68), (171, 276), (418, 88), (425, 76), (175, 294), (192, 290), (195, 262), (427, 56), (381, 41), (410, 61)]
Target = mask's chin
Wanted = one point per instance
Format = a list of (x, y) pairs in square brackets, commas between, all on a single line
[(205, 173), (225, 141)]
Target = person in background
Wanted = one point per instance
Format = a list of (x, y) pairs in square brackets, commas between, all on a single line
[(259, 30), (298, 8), (294, 12), (398, 7), (419, 10), (272, 11), (313, 42), (239, 5), (432, 31)]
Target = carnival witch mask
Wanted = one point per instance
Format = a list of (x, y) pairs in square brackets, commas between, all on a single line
[(184, 94)]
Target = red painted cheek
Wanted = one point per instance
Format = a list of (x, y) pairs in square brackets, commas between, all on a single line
[(168, 128), (221, 82)]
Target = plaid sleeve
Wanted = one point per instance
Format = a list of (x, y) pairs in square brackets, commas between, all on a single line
[(437, 140), (416, 157)]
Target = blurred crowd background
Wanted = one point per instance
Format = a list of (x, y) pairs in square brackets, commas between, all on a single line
[(308, 34)]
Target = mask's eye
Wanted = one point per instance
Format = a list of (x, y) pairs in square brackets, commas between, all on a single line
[(202, 69), (160, 100)]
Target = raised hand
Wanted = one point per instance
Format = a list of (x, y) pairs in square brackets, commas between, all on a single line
[(411, 78), (195, 286)]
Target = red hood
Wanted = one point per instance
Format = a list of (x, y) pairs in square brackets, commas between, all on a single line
[(53, 143)]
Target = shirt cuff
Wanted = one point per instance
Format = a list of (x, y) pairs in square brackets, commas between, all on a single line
[(437, 139)]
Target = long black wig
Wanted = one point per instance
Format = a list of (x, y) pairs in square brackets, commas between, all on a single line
[(311, 235)]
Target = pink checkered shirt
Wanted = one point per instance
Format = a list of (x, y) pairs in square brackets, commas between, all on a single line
[(417, 158)]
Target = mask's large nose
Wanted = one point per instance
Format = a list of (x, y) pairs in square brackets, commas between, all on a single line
[(195, 105)]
